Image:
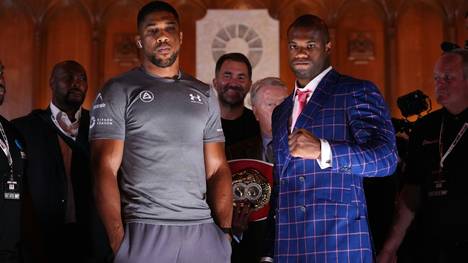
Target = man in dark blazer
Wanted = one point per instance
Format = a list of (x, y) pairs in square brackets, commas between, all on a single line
[(58, 172), (329, 134)]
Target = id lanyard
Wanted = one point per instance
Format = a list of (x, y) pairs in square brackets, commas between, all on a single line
[(6, 148), (454, 142)]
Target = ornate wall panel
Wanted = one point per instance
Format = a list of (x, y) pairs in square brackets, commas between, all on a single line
[(67, 36), (359, 46), (251, 32), (190, 12), (462, 26), (16, 51), (420, 32), (119, 30), (405, 36)]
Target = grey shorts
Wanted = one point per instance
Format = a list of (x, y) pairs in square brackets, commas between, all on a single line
[(146, 243)]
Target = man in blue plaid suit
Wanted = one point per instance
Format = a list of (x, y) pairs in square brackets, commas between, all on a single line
[(323, 149)]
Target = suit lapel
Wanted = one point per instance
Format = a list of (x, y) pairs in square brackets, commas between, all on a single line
[(318, 99), (316, 102), (82, 136), (283, 128), (286, 112)]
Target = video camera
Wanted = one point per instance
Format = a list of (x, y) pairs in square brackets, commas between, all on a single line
[(413, 103)]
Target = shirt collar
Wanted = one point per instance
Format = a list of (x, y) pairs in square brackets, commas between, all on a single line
[(312, 85), (55, 112), (175, 77)]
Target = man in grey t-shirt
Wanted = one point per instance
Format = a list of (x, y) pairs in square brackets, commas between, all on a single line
[(158, 155)]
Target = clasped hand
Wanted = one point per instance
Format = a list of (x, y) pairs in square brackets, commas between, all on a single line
[(304, 144), (240, 218)]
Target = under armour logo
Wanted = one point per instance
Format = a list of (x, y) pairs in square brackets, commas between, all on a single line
[(195, 98)]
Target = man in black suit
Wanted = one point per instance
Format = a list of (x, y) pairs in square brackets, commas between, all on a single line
[(58, 173)]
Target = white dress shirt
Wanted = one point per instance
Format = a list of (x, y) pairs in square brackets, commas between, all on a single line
[(57, 113), (325, 160)]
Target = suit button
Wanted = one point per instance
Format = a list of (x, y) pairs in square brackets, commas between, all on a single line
[(345, 169), (301, 178), (303, 208), (62, 201)]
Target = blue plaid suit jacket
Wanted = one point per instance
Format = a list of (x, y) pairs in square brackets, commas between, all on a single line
[(321, 215)]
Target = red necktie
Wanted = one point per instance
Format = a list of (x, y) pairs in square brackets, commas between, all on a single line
[(302, 101)]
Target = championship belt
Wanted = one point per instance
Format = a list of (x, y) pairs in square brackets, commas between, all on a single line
[(252, 181)]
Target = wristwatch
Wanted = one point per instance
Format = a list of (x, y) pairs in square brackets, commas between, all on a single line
[(227, 230)]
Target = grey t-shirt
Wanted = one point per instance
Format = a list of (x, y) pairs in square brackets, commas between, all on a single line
[(164, 124)]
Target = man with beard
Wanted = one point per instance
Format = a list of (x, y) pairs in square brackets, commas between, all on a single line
[(329, 134), (163, 186), (58, 173), (233, 78), (11, 196)]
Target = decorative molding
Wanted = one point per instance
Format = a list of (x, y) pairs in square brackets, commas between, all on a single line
[(227, 37), (361, 47), (254, 34), (125, 52)]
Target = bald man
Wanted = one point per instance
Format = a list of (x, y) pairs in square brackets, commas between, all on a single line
[(58, 174), (437, 166)]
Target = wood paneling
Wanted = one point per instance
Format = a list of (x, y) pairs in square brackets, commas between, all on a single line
[(16, 51), (119, 19), (420, 32), (462, 27), (67, 36), (36, 34), (363, 19), (190, 12)]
